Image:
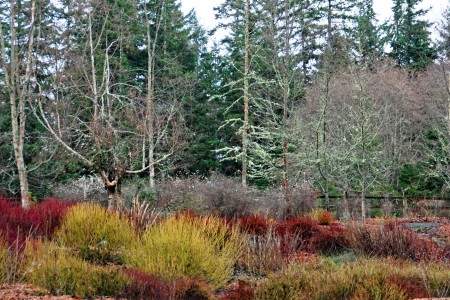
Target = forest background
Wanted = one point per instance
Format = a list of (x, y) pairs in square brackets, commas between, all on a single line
[(304, 95)]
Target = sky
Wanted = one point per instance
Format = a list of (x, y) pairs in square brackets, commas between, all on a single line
[(205, 13)]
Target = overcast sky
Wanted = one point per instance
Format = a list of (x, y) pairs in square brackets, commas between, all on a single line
[(205, 13)]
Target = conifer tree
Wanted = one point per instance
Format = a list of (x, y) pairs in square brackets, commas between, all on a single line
[(410, 37), (444, 35), (369, 43)]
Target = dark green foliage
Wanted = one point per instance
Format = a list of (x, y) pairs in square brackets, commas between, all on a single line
[(370, 43), (410, 36), (204, 117), (303, 47), (444, 32)]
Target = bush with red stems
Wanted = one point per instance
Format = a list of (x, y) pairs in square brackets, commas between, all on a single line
[(328, 240), (393, 240), (254, 224), (304, 228), (144, 286), (243, 290), (294, 234), (40, 220)]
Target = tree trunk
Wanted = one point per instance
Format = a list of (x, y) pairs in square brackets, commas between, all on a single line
[(329, 31), (151, 52), (17, 87), (246, 100), (405, 206), (327, 196), (115, 198), (24, 190), (346, 210), (150, 117), (18, 132), (448, 103), (286, 94), (152, 167), (363, 207)]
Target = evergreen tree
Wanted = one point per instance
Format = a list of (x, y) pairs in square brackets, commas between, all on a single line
[(410, 37), (444, 33), (204, 117), (308, 30), (368, 35)]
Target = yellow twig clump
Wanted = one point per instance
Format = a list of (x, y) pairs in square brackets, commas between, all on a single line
[(187, 246)]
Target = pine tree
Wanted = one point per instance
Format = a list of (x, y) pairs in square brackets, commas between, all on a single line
[(369, 43), (410, 37), (204, 117), (444, 34), (307, 15)]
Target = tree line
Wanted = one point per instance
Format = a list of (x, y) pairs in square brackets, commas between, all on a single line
[(299, 93)]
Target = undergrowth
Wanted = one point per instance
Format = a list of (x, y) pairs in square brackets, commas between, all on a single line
[(363, 279), (4, 259), (61, 273), (39, 221), (202, 248), (96, 235), (392, 240)]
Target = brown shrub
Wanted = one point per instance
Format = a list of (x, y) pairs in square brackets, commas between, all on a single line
[(262, 254), (192, 289), (325, 217), (218, 194), (243, 290), (392, 240), (223, 196)]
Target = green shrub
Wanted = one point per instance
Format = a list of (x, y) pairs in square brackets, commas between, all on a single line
[(61, 273), (201, 248), (97, 235), (379, 292), (287, 284)]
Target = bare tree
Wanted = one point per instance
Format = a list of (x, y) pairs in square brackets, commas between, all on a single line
[(96, 111), (151, 52), (17, 81)]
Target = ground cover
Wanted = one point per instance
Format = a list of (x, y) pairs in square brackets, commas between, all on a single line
[(63, 250)]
